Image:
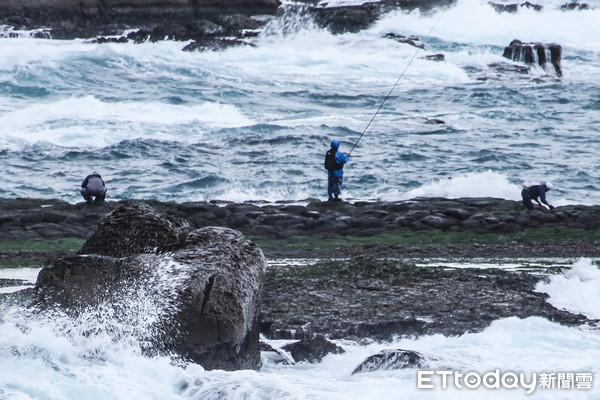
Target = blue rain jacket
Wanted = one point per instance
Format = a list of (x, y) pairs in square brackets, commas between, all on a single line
[(340, 158)]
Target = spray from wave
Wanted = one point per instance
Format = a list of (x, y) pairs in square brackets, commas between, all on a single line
[(60, 123), (576, 290)]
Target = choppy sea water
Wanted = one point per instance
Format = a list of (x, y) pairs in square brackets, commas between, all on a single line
[(253, 123)]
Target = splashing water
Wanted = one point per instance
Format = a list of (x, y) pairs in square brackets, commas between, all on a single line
[(577, 290)]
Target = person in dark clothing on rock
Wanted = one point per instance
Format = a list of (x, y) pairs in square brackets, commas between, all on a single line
[(334, 164), (93, 186), (535, 191)]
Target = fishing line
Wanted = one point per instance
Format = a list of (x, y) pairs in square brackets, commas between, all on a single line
[(396, 84)]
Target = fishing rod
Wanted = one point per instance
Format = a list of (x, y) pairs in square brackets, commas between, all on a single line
[(395, 84)]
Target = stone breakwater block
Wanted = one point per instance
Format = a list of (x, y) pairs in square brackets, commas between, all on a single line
[(202, 298)]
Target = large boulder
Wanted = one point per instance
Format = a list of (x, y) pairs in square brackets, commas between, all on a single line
[(200, 300), (221, 298)]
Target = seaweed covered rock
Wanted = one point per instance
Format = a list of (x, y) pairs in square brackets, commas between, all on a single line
[(135, 228)]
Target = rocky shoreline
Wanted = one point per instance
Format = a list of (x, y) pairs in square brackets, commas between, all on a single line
[(206, 25), (352, 270), (417, 228)]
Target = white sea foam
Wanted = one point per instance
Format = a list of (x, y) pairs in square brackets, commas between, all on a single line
[(61, 364), (88, 121), (477, 184), (576, 290), (98, 356), (474, 184), (488, 27), (238, 192)]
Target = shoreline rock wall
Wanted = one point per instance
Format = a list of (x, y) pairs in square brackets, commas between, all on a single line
[(208, 22), (133, 9), (50, 219), (546, 55)]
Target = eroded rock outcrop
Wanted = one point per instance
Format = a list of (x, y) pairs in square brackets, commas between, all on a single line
[(575, 6), (546, 55), (134, 9), (384, 298), (514, 7), (411, 40), (201, 299), (205, 21), (354, 18)]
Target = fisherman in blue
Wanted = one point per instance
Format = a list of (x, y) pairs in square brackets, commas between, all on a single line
[(533, 190), (334, 164)]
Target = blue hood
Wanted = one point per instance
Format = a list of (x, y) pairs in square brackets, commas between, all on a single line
[(335, 144)]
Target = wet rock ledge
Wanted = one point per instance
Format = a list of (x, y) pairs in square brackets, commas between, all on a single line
[(423, 227), (375, 298)]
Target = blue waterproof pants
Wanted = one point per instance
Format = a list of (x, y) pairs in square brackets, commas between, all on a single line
[(334, 185)]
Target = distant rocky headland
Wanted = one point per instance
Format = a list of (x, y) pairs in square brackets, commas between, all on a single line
[(205, 24), (209, 24)]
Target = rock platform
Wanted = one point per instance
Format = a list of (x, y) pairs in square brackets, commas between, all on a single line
[(289, 222)]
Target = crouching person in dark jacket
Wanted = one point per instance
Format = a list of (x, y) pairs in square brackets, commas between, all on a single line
[(93, 186), (536, 191)]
